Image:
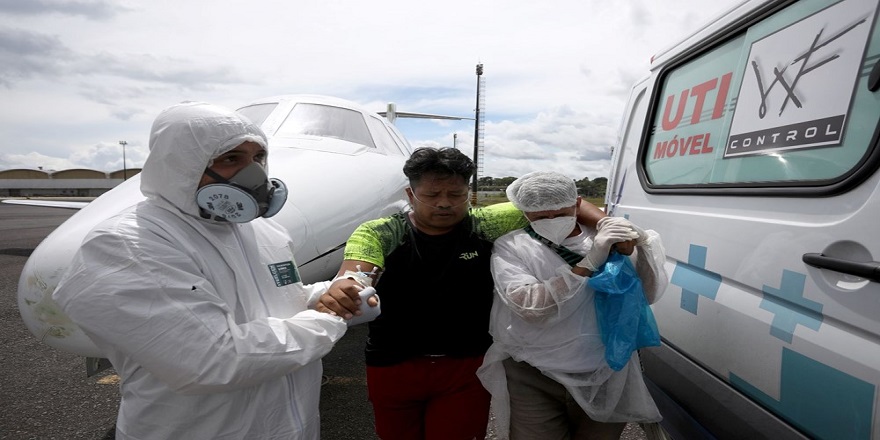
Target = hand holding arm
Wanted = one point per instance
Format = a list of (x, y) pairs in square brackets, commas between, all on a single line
[(342, 298), (649, 258), (608, 235), (638, 234)]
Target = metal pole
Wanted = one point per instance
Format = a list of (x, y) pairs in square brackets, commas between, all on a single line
[(124, 169), (477, 135)]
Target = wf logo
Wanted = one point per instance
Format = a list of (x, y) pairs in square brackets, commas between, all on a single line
[(805, 68)]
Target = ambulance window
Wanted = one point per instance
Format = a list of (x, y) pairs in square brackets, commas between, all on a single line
[(783, 103)]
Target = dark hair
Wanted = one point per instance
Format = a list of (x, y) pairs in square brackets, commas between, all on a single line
[(446, 162)]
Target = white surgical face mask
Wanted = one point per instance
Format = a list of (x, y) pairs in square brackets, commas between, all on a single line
[(555, 229)]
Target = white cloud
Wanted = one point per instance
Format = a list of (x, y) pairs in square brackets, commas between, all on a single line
[(77, 76), (36, 161)]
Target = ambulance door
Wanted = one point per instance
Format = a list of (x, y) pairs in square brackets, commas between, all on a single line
[(758, 166)]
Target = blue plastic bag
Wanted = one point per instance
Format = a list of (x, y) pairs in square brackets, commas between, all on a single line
[(626, 321)]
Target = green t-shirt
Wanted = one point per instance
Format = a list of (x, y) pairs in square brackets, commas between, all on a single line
[(436, 290), (374, 240)]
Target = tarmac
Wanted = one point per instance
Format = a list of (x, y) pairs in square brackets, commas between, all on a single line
[(45, 394)]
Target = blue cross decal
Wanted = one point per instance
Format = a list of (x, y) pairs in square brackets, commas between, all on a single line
[(840, 408), (809, 314), (694, 279)]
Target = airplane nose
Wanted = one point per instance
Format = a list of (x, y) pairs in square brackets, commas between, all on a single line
[(40, 313)]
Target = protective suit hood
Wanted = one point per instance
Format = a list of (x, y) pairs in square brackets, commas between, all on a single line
[(184, 139)]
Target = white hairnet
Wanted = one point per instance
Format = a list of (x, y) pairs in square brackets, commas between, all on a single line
[(542, 191), (184, 139)]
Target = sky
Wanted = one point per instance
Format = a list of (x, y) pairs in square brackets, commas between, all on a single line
[(79, 76)]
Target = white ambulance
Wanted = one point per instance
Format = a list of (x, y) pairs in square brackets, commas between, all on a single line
[(752, 148)]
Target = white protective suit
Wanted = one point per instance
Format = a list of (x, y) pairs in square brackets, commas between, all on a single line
[(206, 343), (544, 315)]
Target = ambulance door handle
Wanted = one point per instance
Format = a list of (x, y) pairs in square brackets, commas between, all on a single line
[(869, 270)]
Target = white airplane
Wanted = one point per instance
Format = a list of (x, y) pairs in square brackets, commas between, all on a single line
[(342, 163)]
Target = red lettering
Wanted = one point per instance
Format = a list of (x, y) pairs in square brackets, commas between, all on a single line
[(706, 147), (700, 91), (682, 101), (697, 141), (661, 150), (722, 95), (673, 145), (685, 145), (689, 146)]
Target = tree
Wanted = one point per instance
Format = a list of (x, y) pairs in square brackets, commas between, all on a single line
[(592, 189), (504, 181), (586, 187)]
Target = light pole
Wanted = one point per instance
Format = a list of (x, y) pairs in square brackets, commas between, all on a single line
[(124, 172), (477, 134)]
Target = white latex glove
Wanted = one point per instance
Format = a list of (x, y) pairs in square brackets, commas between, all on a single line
[(637, 233), (369, 312), (608, 235), (643, 236), (605, 221)]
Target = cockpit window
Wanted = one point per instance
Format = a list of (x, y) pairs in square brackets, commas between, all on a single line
[(383, 137), (326, 121), (258, 113)]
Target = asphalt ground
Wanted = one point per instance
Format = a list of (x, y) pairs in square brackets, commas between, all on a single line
[(45, 394)]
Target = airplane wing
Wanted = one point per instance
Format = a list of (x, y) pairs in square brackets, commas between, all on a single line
[(392, 114), (424, 116), (48, 203)]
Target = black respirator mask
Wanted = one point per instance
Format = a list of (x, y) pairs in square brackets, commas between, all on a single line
[(243, 197)]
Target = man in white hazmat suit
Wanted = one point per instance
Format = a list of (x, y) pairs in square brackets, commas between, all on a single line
[(546, 368), (193, 294)]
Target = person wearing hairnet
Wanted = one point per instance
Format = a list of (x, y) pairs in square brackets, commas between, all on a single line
[(431, 269), (193, 294), (546, 368)]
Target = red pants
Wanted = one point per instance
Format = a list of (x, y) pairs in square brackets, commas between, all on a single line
[(430, 398)]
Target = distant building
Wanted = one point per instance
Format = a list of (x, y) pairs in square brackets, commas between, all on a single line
[(77, 182)]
